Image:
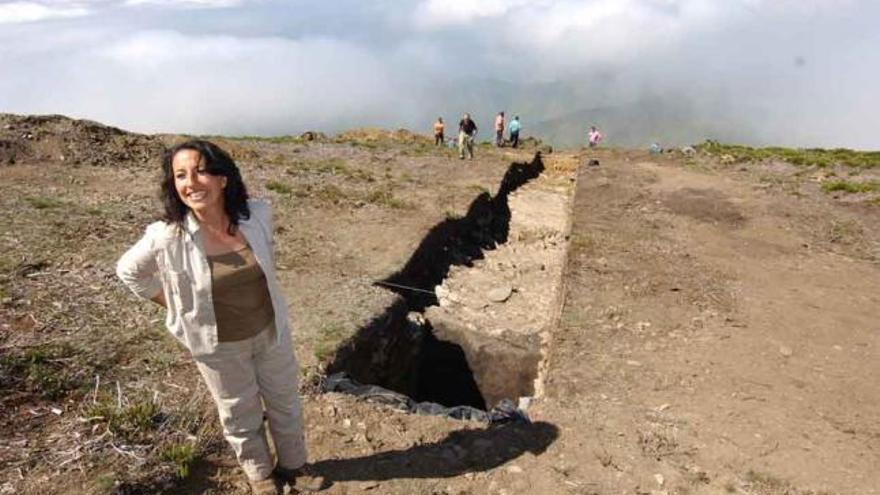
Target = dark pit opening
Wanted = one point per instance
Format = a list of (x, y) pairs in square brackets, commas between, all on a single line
[(397, 349), (445, 376)]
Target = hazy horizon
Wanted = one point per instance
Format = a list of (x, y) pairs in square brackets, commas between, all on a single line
[(760, 72)]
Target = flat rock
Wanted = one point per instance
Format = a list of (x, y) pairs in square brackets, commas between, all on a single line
[(500, 293)]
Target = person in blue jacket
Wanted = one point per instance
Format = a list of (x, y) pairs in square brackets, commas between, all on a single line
[(513, 130)]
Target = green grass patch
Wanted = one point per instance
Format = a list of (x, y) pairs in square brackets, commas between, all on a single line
[(133, 422), (105, 483), (388, 200), (850, 187), (330, 337), (816, 157), (278, 187), (41, 370), (181, 455)]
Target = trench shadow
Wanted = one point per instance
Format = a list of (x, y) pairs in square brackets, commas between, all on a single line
[(453, 241), (461, 452), (461, 241)]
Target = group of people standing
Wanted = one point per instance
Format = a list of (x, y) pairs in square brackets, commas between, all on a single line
[(467, 133), (512, 129)]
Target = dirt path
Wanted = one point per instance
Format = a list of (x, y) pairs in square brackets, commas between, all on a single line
[(706, 344)]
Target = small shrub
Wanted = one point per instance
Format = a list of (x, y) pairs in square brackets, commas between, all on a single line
[(764, 480), (133, 422), (181, 455)]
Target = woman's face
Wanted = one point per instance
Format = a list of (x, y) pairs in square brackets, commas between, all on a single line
[(198, 189)]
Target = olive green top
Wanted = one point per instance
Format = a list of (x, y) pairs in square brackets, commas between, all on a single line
[(242, 305)]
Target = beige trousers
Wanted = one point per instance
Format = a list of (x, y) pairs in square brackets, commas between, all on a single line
[(465, 144), (240, 374)]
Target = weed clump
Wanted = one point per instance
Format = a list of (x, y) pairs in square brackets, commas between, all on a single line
[(181, 455), (388, 200), (768, 484), (278, 187), (133, 422), (850, 187), (44, 203), (332, 334)]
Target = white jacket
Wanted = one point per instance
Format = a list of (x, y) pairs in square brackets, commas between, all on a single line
[(172, 260)]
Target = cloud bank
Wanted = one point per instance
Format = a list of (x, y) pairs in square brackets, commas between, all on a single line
[(676, 71)]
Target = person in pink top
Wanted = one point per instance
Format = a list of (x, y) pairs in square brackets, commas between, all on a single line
[(499, 129), (594, 137)]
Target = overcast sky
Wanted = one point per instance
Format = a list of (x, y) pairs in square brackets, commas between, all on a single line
[(793, 72)]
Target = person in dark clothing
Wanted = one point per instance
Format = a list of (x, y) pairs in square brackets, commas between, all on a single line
[(467, 131)]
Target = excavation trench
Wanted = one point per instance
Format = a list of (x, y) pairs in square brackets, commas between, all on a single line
[(437, 342)]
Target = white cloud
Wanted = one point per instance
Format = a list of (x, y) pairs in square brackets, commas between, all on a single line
[(169, 81), (784, 71), (19, 12), (187, 3), (438, 13)]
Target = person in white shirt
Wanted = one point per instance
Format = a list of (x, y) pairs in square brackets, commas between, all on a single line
[(210, 262)]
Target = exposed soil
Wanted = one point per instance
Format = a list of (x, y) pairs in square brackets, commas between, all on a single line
[(711, 339), (718, 330)]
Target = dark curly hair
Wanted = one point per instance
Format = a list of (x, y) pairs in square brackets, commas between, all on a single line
[(217, 162)]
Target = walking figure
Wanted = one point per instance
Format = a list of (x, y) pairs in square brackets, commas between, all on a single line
[(513, 129), (467, 131)]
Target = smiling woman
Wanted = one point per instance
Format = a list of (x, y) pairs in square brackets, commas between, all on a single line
[(210, 263), (199, 177)]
